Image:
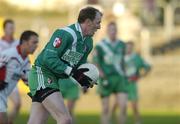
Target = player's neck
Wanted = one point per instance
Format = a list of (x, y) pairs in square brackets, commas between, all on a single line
[(22, 51), (8, 38), (113, 39), (84, 30)]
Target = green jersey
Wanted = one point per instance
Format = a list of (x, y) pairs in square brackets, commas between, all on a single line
[(67, 48), (133, 64), (109, 56)]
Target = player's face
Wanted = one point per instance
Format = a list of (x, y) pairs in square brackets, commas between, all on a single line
[(112, 31), (94, 25), (9, 29), (32, 44), (129, 48)]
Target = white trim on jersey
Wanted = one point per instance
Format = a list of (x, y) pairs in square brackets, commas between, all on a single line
[(110, 54), (73, 34)]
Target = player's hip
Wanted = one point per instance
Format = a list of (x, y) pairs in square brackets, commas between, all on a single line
[(38, 80)]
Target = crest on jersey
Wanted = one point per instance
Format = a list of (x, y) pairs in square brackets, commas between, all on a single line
[(57, 42)]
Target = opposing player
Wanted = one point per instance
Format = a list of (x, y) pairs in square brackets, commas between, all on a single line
[(14, 64), (109, 57), (8, 41), (68, 48)]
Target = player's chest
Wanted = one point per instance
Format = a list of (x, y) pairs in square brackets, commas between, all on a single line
[(73, 56)]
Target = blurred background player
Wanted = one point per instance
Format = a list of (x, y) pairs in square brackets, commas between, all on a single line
[(15, 65), (134, 65), (67, 49), (108, 56), (8, 41), (70, 92), (135, 68)]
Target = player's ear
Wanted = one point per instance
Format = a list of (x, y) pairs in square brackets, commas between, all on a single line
[(88, 22)]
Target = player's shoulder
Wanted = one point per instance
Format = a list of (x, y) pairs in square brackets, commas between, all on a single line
[(67, 29), (121, 42), (11, 50), (16, 43), (2, 42), (137, 55), (64, 32), (101, 42)]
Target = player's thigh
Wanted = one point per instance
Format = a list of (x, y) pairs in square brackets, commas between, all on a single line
[(122, 99), (39, 114), (71, 104), (134, 104), (54, 103), (105, 104), (15, 97), (3, 118)]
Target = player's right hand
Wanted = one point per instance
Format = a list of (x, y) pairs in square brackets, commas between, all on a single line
[(81, 78)]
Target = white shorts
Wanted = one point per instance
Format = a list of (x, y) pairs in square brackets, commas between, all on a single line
[(3, 101), (4, 96)]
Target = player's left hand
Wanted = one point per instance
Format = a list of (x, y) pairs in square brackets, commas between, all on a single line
[(133, 78), (84, 90)]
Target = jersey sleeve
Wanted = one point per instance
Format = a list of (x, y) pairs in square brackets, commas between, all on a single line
[(142, 64), (54, 50)]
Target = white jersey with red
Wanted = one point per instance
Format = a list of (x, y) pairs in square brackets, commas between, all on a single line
[(4, 44), (12, 68)]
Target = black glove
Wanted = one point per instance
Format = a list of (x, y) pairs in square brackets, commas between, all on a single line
[(84, 90), (3, 85), (81, 78)]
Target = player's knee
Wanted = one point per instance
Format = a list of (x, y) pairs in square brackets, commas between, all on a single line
[(66, 119), (124, 110), (105, 110)]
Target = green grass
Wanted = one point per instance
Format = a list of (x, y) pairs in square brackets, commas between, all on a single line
[(94, 118)]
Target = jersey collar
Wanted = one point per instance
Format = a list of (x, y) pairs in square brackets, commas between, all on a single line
[(78, 28)]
